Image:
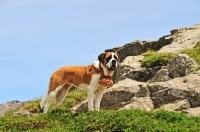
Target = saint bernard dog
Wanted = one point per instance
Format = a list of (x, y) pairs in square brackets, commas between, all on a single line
[(82, 77)]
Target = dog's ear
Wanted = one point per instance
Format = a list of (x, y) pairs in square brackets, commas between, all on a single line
[(101, 57), (118, 59)]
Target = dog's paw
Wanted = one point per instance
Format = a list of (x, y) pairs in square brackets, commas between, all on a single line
[(40, 109)]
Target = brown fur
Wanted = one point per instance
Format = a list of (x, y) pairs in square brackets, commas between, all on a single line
[(72, 75)]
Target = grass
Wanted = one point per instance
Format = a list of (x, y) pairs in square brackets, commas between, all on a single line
[(61, 119), (153, 59), (193, 53), (104, 120)]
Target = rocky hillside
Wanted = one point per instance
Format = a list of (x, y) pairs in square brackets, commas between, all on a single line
[(174, 86)]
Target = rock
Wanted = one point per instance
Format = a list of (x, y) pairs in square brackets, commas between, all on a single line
[(193, 111), (161, 76), (176, 89), (143, 103), (181, 65), (123, 91), (131, 68), (130, 49), (24, 113), (176, 106), (183, 38), (12, 105)]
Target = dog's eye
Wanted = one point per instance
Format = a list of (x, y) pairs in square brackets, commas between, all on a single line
[(115, 57), (107, 59)]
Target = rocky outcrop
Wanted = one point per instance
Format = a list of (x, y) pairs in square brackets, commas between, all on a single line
[(131, 68), (183, 38), (175, 87), (12, 105), (179, 66), (179, 94), (178, 40)]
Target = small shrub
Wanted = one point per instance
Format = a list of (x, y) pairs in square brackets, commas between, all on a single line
[(193, 53), (152, 59)]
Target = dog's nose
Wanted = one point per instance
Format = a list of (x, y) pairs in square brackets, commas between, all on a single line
[(113, 62)]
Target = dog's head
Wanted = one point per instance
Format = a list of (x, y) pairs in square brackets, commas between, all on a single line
[(109, 60)]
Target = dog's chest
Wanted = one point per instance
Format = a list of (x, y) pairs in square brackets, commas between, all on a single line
[(93, 83)]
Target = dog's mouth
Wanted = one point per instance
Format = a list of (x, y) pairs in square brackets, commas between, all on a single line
[(112, 68)]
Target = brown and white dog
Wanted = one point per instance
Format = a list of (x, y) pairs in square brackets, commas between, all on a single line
[(82, 77)]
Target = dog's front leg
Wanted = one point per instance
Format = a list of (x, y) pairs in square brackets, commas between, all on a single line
[(99, 95), (90, 95)]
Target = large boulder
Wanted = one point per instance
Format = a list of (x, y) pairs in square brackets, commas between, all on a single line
[(131, 68), (181, 65), (176, 89)]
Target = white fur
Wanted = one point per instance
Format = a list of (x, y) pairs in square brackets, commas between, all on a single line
[(96, 64), (43, 101), (46, 100), (99, 95), (90, 90)]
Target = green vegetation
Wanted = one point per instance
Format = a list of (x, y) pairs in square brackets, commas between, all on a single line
[(152, 59), (193, 53), (104, 120), (61, 119)]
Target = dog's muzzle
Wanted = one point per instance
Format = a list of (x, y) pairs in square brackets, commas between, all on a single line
[(113, 66)]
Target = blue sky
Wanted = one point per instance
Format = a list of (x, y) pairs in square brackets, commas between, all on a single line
[(38, 36)]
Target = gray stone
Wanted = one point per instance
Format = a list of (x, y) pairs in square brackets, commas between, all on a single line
[(131, 68), (142, 103), (176, 89), (176, 106), (161, 76), (183, 38), (181, 65), (193, 111), (12, 105)]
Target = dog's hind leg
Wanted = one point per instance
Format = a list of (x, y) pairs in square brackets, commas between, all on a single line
[(62, 93), (44, 98), (50, 95)]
